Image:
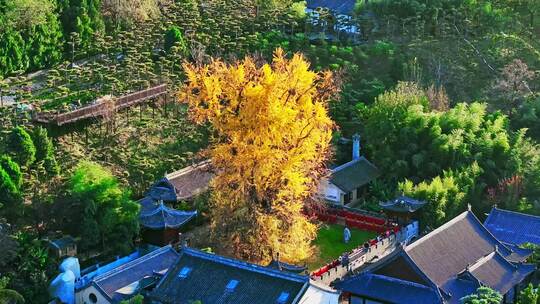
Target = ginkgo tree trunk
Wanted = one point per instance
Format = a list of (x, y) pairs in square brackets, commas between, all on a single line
[(272, 139)]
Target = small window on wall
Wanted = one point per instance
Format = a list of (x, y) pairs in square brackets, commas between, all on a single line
[(92, 297)]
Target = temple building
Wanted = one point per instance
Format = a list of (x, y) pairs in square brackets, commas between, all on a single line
[(113, 282), (184, 184), (164, 275), (346, 183), (442, 267), (63, 247), (402, 210), (121, 281), (210, 278), (161, 225), (513, 228)]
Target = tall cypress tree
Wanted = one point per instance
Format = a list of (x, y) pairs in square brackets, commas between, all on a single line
[(45, 151), (9, 194), (21, 147), (12, 169), (82, 17)]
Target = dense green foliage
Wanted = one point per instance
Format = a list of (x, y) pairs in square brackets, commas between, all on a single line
[(447, 195), (12, 169), (8, 295), (529, 295), (138, 299), (535, 257), (109, 217), (21, 147), (464, 155), (173, 37), (9, 193), (45, 151), (464, 129), (83, 18), (31, 37), (483, 295), (32, 267)]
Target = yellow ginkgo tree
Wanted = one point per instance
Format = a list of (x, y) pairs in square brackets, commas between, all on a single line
[(272, 138)]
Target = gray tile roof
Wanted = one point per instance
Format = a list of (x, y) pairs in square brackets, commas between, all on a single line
[(513, 227), (496, 272), (448, 250), (191, 180), (161, 217), (354, 174), (454, 259), (162, 190), (345, 7), (206, 277), (389, 289), (62, 242), (452, 248), (156, 261)]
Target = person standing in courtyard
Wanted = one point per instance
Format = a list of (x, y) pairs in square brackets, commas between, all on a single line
[(346, 235)]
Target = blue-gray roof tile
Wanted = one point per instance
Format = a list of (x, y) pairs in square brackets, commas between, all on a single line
[(388, 289), (344, 7), (212, 274), (161, 217), (513, 227)]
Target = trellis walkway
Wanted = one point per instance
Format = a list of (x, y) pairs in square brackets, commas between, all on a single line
[(101, 108)]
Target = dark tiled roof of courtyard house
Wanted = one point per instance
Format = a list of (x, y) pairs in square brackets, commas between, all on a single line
[(209, 278), (395, 290), (496, 272), (451, 248), (354, 174), (111, 283), (345, 7), (513, 227)]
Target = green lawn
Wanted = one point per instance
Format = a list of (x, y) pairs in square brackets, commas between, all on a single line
[(330, 245)]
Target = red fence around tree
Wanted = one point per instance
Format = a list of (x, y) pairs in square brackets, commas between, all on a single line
[(360, 221), (354, 219)]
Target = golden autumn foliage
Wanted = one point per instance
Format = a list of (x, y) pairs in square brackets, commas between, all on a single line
[(272, 139)]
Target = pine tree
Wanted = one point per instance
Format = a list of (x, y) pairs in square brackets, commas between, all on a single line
[(21, 147), (9, 195), (45, 151), (12, 169)]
